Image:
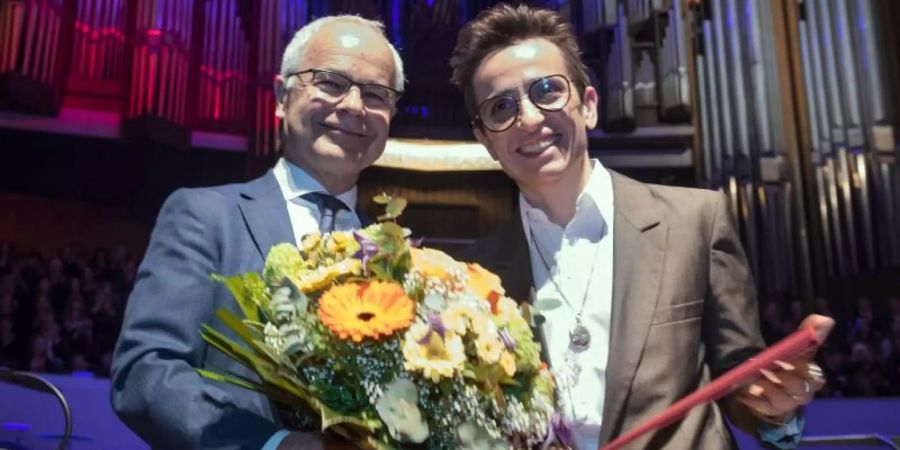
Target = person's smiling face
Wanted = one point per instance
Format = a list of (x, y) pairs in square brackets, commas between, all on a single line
[(334, 140), (541, 147)]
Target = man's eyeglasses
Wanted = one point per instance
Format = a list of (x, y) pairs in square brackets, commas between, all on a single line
[(333, 87), (550, 93)]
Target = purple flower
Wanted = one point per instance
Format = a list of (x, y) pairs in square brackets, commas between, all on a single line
[(367, 249), (434, 320), (507, 340), (435, 326), (558, 431)]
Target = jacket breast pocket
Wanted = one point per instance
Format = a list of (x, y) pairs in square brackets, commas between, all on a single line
[(681, 312)]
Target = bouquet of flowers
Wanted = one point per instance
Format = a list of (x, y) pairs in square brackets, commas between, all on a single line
[(389, 345)]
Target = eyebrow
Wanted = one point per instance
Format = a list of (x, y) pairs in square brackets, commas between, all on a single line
[(349, 77), (509, 91)]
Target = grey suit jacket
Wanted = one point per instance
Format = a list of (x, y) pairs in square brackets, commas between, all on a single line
[(155, 389), (684, 307)]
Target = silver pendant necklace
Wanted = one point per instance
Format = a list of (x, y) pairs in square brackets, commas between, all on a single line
[(579, 336)]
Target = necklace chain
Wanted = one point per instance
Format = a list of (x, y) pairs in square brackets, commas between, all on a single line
[(579, 335)]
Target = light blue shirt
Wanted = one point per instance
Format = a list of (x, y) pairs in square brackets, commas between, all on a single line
[(304, 216), (275, 440), (786, 436)]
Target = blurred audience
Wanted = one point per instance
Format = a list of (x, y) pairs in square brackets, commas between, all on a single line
[(861, 357), (63, 313)]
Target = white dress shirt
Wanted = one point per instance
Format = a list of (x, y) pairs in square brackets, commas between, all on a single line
[(303, 214), (579, 258)]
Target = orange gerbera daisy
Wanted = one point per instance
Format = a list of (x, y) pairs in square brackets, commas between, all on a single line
[(366, 310)]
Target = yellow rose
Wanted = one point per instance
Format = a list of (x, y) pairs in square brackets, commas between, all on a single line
[(508, 363), (484, 283), (433, 263)]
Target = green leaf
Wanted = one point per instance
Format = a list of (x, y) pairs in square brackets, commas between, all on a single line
[(382, 199), (235, 284), (258, 327), (395, 207), (392, 230), (233, 349), (234, 323), (332, 418), (232, 379), (547, 304)]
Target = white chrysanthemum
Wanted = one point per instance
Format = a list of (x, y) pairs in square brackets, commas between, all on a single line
[(507, 311), (457, 317), (489, 348)]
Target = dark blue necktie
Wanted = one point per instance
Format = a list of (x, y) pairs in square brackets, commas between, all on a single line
[(328, 205)]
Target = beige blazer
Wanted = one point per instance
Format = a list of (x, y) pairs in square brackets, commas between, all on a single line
[(684, 306)]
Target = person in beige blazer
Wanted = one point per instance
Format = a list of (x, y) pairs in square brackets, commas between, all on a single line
[(680, 306)]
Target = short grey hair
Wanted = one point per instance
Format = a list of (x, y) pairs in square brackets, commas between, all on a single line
[(293, 53)]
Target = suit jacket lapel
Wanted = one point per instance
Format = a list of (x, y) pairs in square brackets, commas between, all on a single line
[(639, 248), (265, 213), (514, 263)]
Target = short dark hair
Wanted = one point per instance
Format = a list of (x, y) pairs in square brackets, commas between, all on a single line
[(502, 26)]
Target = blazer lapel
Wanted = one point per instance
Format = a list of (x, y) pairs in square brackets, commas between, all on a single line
[(639, 243), (265, 213), (513, 262)]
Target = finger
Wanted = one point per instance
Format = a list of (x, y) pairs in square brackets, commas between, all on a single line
[(772, 390), (823, 325), (784, 365), (817, 383), (782, 401), (770, 376), (798, 388), (789, 382), (760, 405)]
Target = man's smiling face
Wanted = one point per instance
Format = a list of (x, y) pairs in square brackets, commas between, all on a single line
[(335, 140), (541, 147)]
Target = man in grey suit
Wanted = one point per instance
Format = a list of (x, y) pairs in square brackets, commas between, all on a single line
[(645, 290), (337, 92)]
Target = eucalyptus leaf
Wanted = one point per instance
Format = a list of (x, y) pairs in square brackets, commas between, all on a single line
[(434, 302), (396, 206), (392, 229), (547, 304), (382, 199)]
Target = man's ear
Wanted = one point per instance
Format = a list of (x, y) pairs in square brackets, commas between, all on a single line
[(482, 139), (589, 107), (280, 95)]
